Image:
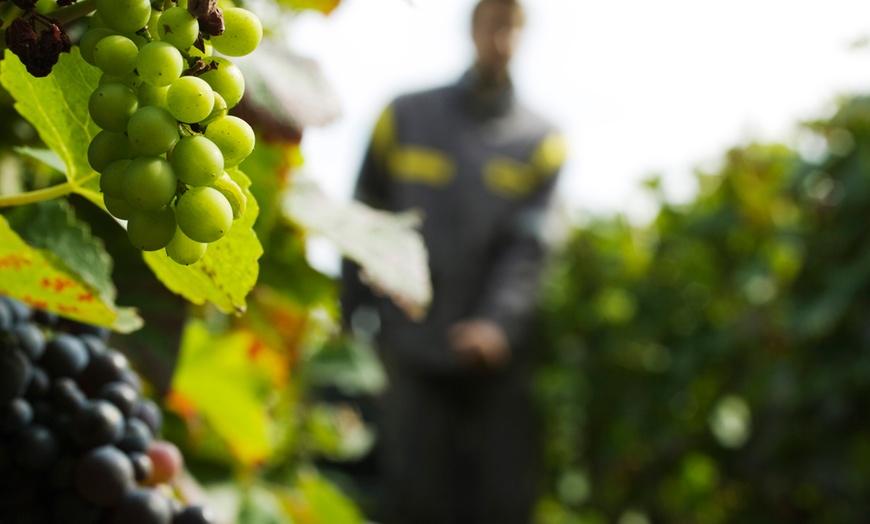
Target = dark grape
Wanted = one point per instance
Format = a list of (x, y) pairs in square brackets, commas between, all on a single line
[(15, 416), (143, 468), (65, 356), (6, 319), (103, 369), (94, 344), (195, 515), (29, 339), (122, 395), (103, 475), (15, 370), (97, 424), (143, 506), (39, 385), (37, 448), (137, 437), (148, 412), (20, 311), (66, 395)]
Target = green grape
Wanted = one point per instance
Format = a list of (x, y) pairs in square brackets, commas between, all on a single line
[(242, 34), (118, 207), (110, 178), (107, 147), (197, 161), (185, 251), (150, 95), (152, 130), (116, 55), (124, 16), (227, 79), (178, 27), (96, 21), (111, 106), (234, 137), (204, 214), (208, 50), (190, 99), (149, 182), (153, 20), (218, 111), (159, 63), (150, 230), (89, 41), (137, 39), (130, 80)]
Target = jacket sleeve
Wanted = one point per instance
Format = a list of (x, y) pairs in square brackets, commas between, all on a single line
[(510, 293), (371, 189)]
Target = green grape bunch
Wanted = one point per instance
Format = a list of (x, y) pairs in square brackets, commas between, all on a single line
[(162, 105)]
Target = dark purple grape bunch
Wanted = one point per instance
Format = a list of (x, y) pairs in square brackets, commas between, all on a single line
[(76, 434), (36, 39)]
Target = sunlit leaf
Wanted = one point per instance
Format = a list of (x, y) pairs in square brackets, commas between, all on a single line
[(229, 269), (216, 377), (48, 278), (57, 106), (387, 246), (313, 500)]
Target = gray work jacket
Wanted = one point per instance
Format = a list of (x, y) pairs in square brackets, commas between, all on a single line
[(482, 172)]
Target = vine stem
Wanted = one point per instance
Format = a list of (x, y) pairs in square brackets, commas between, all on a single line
[(37, 195), (74, 11)]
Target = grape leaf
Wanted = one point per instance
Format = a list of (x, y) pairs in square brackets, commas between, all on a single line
[(57, 106), (315, 500), (216, 377), (229, 269), (46, 156), (47, 279), (387, 246), (324, 6)]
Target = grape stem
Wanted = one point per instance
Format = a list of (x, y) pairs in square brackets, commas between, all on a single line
[(74, 11), (37, 195)]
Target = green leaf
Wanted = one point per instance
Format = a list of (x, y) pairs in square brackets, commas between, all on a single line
[(57, 106), (68, 275), (229, 269), (314, 500), (46, 156), (387, 246), (217, 377)]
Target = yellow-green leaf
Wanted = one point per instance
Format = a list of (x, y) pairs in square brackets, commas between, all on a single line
[(229, 269), (57, 106), (217, 377), (45, 280)]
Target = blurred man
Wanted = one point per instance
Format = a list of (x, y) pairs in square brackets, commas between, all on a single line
[(459, 433)]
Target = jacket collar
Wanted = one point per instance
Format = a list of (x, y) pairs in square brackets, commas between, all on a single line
[(485, 104)]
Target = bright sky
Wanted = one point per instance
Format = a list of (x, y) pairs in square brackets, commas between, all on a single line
[(639, 86)]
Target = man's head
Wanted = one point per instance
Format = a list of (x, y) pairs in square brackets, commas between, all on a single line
[(495, 29)]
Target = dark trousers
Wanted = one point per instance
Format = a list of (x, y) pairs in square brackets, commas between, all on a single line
[(460, 449)]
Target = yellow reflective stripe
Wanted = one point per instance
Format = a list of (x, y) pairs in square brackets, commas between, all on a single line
[(384, 135), (421, 165), (550, 154), (509, 178)]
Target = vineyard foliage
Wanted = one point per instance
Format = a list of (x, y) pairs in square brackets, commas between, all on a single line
[(712, 367), (230, 346)]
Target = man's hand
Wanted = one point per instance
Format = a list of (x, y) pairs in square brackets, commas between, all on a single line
[(480, 343)]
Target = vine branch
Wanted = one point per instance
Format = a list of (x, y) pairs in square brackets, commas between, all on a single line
[(37, 195)]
